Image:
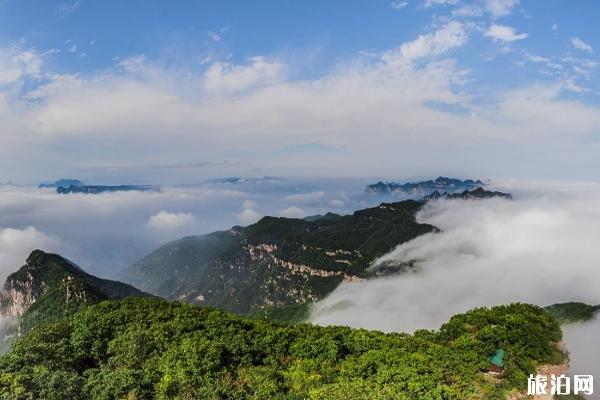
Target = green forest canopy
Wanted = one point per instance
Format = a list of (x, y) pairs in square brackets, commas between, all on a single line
[(146, 348)]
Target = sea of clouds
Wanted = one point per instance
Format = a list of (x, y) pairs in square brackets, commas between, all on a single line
[(541, 248)]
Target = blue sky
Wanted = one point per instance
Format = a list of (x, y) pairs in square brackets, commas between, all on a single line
[(174, 92)]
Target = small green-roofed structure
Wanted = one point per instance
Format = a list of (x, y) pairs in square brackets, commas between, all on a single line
[(498, 358)]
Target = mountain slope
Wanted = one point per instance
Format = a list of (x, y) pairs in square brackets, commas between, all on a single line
[(49, 286), (572, 312), (275, 262), (151, 349)]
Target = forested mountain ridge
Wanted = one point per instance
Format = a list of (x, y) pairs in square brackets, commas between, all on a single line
[(276, 262), (49, 287), (144, 348), (572, 312)]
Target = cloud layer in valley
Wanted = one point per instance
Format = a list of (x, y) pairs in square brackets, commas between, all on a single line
[(537, 249), (541, 248)]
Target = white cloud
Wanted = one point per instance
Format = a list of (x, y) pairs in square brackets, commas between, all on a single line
[(448, 37), (17, 63), (433, 3), (247, 113), (535, 58), (225, 78), (572, 86), (55, 83), (487, 253), (16, 244), (546, 61), (249, 215), (292, 212), (581, 45), (104, 233), (305, 197), (132, 63), (582, 62), (398, 5), (67, 9), (504, 33), (494, 8), (500, 8), (215, 37), (171, 221)]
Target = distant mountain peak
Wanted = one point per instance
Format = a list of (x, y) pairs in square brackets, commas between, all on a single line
[(64, 183), (95, 189), (418, 190), (475, 194)]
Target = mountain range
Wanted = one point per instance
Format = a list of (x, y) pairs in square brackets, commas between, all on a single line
[(475, 194), (95, 189), (66, 186), (275, 262), (418, 190), (281, 262)]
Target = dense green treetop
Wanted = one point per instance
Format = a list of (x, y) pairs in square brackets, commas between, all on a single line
[(146, 348)]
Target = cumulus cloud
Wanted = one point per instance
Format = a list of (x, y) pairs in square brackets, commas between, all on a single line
[(503, 33), (16, 244), (500, 8), (249, 215), (581, 45), (292, 212), (246, 113), (170, 220)]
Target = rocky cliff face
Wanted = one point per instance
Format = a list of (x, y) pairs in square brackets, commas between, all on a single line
[(14, 302), (23, 288), (49, 286), (276, 262)]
